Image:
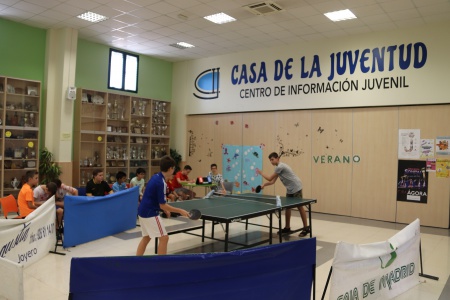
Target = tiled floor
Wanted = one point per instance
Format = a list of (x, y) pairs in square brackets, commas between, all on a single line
[(49, 278)]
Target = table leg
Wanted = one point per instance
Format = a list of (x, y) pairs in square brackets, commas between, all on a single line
[(310, 220), (203, 230), (270, 229), (226, 236), (279, 225)]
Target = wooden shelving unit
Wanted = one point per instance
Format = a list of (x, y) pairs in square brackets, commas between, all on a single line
[(117, 132), (19, 131)]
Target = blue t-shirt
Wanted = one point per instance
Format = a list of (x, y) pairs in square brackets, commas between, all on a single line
[(154, 194), (119, 187)]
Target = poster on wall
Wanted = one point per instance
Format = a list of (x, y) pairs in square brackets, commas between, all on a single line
[(240, 164), (442, 145), (442, 168), (408, 143), (412, 181), (426, 148), (431, 165)]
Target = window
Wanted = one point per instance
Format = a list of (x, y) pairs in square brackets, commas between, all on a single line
[(123, 71)]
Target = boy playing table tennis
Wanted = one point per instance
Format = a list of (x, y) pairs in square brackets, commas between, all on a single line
[(293, 189), (154, 200)]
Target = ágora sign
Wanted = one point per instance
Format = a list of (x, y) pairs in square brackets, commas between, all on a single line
[(365, 61)]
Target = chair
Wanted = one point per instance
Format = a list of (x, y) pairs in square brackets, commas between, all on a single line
[(228, 187), (9, 204)]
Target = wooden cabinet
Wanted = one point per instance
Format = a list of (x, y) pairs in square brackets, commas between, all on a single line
[(19, 131), (115, 132)]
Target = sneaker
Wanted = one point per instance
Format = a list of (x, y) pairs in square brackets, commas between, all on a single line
[(306, 230), (285, 230)]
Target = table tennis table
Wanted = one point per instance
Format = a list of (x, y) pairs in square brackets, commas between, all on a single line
[(238, 208)]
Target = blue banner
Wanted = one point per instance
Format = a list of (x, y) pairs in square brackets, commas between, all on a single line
[(282, 271), (90, 218)]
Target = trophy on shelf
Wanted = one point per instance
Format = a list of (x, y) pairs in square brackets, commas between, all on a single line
[(115, 113), (163, 104), (133, 109), (83, 180), (122, 112), (15, 183), (143, 106), (31, 119)]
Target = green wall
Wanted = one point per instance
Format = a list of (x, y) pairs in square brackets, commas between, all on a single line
[(155, 75), (22, 49)]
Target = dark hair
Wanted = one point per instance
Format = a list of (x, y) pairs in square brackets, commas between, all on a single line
[(30, 174), (273, 155), (213, 165), (58, 183), (166, 163), (187, 167), (96, 171), (51, 187), (120, 175), (140, 171)]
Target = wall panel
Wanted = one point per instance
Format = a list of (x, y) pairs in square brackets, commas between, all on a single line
[(432, 121), (293, 139), (317, 144), (375, 176), (331, 138)]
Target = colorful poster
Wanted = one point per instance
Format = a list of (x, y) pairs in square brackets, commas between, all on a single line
[(431, 165), (442, 168), (240, 164), (426, 148), (409, 143), (412, 182), (442, 145)]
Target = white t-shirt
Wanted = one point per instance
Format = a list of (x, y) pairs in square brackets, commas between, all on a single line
[(141, 183)]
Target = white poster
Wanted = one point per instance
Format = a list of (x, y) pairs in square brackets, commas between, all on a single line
[(408, 143), (25, 241), (426, 148), (381, 270)]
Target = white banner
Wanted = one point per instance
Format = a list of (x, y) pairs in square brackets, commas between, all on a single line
[(25, 241), (11, 280), (377, 271)]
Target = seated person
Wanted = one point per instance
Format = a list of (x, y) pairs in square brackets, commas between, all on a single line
[(44, 192), (217, 178), (139, 181), (182, 177), (25, 198), (97, 186), (62, 190), (171, 195), (120, 184)]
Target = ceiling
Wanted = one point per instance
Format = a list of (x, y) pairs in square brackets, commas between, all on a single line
[(149, 26)]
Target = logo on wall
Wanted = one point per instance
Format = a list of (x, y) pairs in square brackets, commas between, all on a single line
[(207, 84)]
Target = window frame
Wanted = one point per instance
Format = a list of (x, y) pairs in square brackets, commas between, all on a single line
[(124, 56)]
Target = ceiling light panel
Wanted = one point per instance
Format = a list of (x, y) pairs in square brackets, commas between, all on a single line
[(92, 17), (220, 18), (340, 15)]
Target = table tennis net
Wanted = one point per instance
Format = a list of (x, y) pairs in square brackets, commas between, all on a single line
[(252, 197)]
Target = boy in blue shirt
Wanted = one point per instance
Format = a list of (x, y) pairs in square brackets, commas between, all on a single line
[(120, 184), (154, 200)]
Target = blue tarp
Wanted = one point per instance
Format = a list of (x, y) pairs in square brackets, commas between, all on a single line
[(283, 271), (90, 218)]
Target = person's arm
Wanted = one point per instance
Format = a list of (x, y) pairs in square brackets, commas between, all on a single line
[(270, 179), (107, 188), (71, 190), (167, 208), (89, 188)]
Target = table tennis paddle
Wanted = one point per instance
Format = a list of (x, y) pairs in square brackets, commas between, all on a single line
[(258, 189), (194, 214)]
